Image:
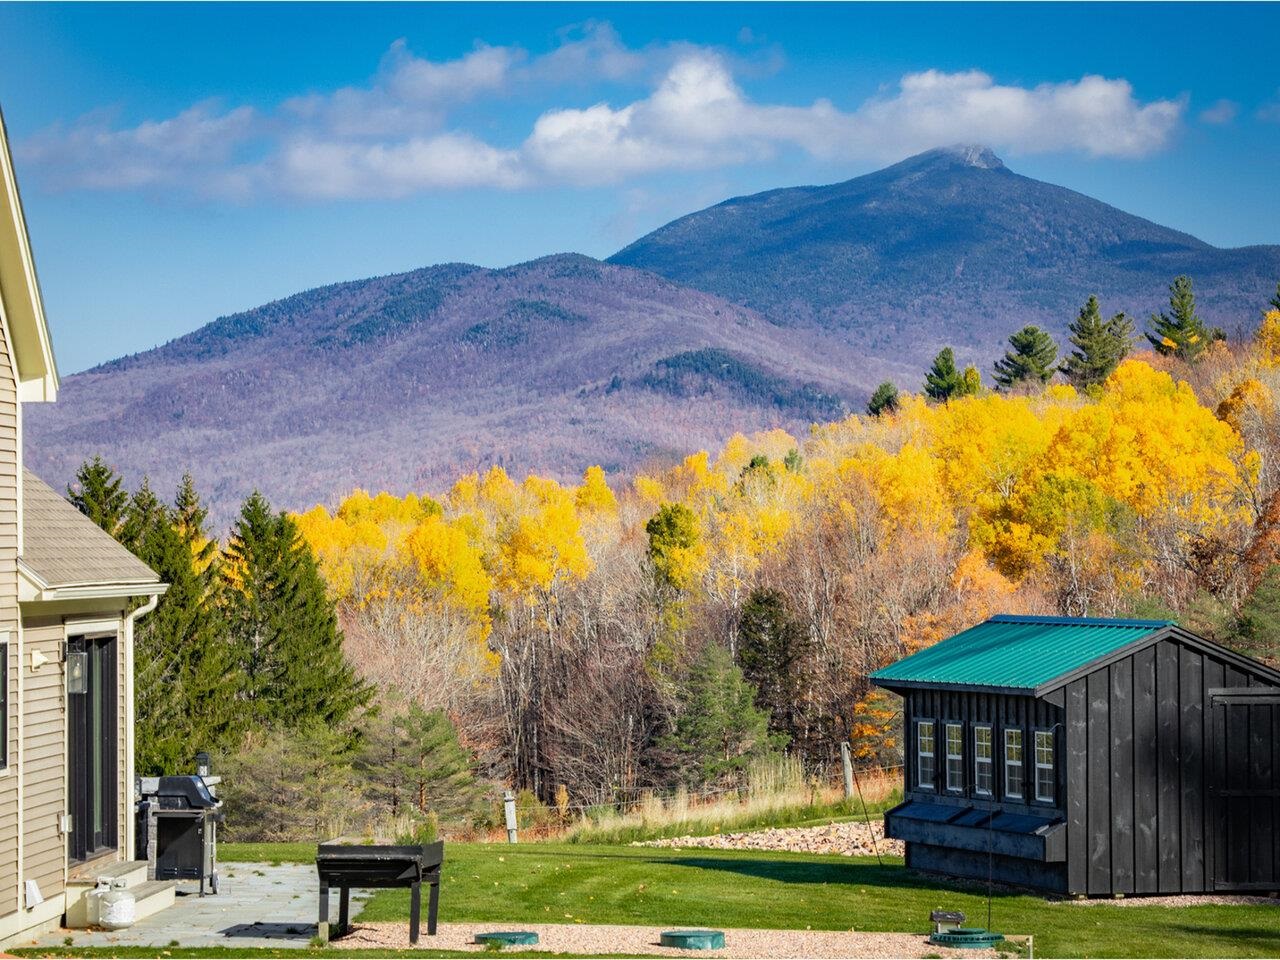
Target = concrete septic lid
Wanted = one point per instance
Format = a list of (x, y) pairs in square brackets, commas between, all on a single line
[(693, 939), (508, 937)]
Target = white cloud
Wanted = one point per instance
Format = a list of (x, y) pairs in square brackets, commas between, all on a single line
[(91, 153), (1222, 111), (1270, 112), (405, 131), (698, 117), (336, 170)]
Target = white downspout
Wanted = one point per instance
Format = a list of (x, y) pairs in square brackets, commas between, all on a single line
[(126, 807)]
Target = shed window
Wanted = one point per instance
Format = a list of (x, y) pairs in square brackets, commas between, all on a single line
[(983, 762), (1013, 764), (955, 758), (925, 770), (1044, 765)]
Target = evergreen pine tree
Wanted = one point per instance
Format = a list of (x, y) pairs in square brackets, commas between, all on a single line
[(944, 381), (283, 625), (771, 647), (1275, 298), (98, 492), (1260, 615), (1180, 332), (719, 730), (885, 399), (1099, 345), (432, 770), (1032, 358), (186, 678)]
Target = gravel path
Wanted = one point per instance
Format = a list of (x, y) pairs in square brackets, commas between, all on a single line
[(850, 839), (643, 941)]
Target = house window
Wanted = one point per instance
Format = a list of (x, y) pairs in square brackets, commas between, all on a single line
[(925, 772), (955, 758), (1013, 764), (1044, 766), (983, 762)]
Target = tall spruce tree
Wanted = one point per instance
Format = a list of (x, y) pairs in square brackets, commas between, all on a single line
[(884, 400), (1100, 345), (1180, 332), (720, 729), (418, 760), (188, 684), (944, 380), (98, 492), (283, 625), (771, 648), (1031, 358)]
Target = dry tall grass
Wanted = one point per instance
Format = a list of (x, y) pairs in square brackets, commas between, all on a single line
[(776, 793)]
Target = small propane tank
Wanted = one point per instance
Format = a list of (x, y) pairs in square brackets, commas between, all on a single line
[(117, 909), (93, 901)]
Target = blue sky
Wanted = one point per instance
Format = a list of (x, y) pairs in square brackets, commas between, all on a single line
[(179, 163)]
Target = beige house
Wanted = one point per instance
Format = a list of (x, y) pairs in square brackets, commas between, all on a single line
[(69, 597)]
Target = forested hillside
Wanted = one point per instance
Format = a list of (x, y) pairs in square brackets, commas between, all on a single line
[(405, 381), (673, 628), (589, 641)]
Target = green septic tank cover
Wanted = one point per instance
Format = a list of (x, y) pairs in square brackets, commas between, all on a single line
[(693, 939), (1016, 653), (508, 937), (966, 937)]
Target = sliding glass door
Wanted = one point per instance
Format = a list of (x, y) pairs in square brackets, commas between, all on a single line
[(92, 753)]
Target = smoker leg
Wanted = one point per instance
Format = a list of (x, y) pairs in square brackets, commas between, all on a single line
[(415, 911), (433, 902), (343, 910), (322, 927)]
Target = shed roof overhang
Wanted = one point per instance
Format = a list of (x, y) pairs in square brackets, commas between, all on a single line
[(23, 307)]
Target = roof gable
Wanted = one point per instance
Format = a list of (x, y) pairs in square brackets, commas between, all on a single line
[(34, 365), (1017, 654)]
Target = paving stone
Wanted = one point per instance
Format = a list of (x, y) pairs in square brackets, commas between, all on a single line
[(258, 905)]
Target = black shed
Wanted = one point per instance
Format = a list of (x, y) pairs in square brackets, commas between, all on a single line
[(1093, 757)]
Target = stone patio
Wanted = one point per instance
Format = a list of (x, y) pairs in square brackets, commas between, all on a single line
[(259, 905)]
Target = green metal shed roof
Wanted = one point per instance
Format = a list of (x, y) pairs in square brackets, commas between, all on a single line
[(1016, 653)]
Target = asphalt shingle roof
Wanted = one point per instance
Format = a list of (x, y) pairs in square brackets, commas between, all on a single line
[(63, 547), (1016, 653)]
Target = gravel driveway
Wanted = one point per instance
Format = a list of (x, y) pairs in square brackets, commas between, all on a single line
[(643, 941)]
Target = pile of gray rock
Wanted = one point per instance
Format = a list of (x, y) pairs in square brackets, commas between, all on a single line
[(848, 839)]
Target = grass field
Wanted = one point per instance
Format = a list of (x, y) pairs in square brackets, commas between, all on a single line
[(576, 883)]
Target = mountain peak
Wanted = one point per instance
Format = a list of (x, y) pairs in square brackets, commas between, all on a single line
[(963, 154)]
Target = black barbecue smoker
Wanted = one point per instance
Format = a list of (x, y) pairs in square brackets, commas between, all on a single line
[(178, 827)]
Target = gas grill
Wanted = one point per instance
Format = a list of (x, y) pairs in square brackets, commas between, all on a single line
[(178, 829)]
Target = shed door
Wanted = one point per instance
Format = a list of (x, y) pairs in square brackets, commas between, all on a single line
[(1244, 789)]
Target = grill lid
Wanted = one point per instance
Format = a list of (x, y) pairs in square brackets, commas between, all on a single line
[(188, 791)]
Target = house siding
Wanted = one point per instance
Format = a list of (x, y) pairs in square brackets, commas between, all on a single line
[(10, 789), (45, 759)]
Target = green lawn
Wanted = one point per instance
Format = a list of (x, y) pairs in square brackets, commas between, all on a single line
[(568, 883)]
